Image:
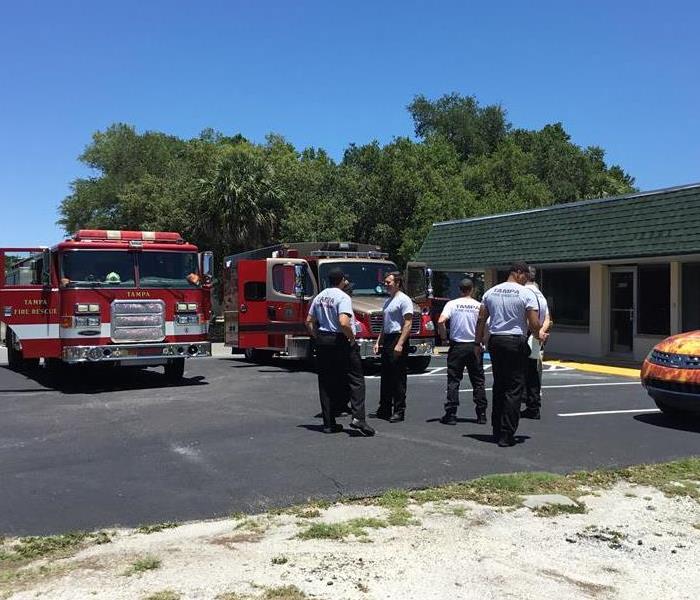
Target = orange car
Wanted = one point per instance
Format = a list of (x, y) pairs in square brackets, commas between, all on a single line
[(671, 373)]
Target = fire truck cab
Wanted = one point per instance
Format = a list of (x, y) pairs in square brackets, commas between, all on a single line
[(267, 293), (111, 297)]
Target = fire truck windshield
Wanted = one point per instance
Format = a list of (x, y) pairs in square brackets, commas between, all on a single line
[(107, 268), (366, 277)]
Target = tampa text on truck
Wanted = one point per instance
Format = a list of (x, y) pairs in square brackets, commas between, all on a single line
[(138, 298)]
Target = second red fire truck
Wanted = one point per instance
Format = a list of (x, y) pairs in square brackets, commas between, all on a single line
[(106, 297), (267, 293)]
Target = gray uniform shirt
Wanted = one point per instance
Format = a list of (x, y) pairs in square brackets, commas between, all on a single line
[(327, 307), (463, 314), (508, 304), (394, 310)]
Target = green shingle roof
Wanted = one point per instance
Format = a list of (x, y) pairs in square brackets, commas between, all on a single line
[(658, 223)]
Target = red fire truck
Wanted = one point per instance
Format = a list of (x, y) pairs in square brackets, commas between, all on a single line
[(110, 297), (267, 293)]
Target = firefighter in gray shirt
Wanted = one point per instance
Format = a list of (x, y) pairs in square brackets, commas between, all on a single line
[(462, 313), (512, 309)]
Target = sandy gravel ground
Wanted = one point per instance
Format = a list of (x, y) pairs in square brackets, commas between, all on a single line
[(633, 542)]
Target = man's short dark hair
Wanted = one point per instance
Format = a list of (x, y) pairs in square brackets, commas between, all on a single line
[(466, 285), (335, 276), (519, 267)]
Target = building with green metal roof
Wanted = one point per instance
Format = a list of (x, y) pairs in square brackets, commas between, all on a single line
[(620, 273)]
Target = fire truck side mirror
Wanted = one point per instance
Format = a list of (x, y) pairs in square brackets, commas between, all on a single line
[(46, 268), (207, 267), (429, 282), (299, 272)]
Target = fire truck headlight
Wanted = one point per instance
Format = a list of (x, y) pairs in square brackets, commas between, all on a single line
[(87, 308), (187, 319), (181, 307), (95, 354), (192, 307), (87, 321)]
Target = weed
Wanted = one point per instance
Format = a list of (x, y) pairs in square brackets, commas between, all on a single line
[(310, 513), (156, 527), (362, 587), (279, 560), (696, 525), (164, 595), (143, 564), (552, 510), (458, 511), (237, 515), (252, 525), (393, 499), (287, 592), (338, 531), (232, 596)]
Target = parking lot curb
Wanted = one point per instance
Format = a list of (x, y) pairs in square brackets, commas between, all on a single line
[(593, 368)]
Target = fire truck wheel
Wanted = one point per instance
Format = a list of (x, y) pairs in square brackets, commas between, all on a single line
[(418, 364), (175, 369), (14, 356), (257, 356)]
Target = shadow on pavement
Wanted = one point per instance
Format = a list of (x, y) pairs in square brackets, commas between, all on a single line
[(489, 439), (682, 423), (319, 429), (94, 380), (459, 420)]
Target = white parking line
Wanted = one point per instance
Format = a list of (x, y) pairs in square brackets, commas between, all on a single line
[(575, 385), (609, 412)]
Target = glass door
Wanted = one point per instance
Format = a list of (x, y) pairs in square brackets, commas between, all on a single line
[(622, 310)]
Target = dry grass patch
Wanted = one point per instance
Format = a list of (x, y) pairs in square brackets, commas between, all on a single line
[(164, 595), (143, 564)]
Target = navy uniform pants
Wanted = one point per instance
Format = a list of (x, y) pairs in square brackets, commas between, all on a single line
[(392, 390), (339, 375), (459, 356), (509, 356)]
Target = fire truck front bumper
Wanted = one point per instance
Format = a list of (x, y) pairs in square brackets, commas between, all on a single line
[(136, 353), (416, 347)]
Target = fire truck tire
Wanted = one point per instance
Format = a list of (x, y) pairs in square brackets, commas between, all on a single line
[(15, 360), (257, 356), (175, 369), (418, 364)]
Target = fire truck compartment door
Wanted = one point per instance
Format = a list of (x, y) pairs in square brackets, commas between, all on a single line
[(416, 287), (27, 306), (248, 314), (286, 311)]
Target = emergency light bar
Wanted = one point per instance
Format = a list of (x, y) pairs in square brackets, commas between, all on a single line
[(339, 254), (133, 237)]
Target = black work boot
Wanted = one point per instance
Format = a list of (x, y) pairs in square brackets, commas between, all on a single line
[(363, 427), (449, 418), (530, 413), (396, 417), (481, 417)]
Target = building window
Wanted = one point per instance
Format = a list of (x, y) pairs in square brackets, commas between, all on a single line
[(568, 295), (653, 299), (690, 298)]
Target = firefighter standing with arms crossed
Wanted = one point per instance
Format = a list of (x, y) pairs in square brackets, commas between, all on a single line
[(463, 314), (330, 324)]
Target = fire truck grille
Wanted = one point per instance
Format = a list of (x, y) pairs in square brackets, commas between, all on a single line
[(376, 321), (138, 321)]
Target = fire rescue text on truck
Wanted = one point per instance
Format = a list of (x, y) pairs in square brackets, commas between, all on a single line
[(267, 293), (110, 297)]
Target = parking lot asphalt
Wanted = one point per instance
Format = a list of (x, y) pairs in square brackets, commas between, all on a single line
[(123, 447)]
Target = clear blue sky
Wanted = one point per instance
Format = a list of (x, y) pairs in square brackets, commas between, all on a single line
[(622, 75)]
